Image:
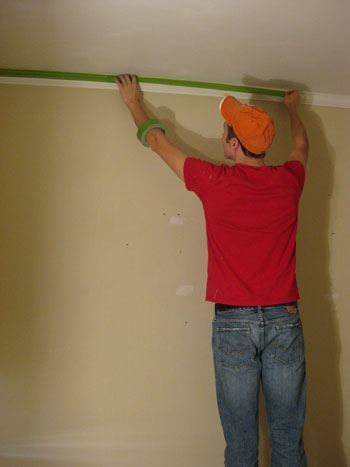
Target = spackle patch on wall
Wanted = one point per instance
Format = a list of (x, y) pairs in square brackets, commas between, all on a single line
[(177, 220), (184, 290)]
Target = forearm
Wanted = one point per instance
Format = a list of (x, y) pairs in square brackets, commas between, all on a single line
[(138, 113), (299, 135)]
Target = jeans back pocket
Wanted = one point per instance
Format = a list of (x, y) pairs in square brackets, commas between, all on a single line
[(234, 347), (288, 344)]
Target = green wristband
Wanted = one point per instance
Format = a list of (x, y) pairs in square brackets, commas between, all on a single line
[(146, 127)]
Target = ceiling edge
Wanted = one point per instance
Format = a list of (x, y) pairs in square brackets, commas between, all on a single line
[(316, 99)]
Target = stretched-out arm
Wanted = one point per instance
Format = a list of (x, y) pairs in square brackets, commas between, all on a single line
[(132, 97), (300, 149)]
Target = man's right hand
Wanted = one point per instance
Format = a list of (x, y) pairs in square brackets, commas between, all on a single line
[(292, 100), (129, 89)]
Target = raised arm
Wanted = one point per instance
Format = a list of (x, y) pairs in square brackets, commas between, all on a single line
[(300, 149), (132, 97)]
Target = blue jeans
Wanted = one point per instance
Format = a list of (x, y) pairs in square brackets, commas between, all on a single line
[(265, 342)]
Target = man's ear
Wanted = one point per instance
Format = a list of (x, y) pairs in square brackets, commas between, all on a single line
[(234, 142)]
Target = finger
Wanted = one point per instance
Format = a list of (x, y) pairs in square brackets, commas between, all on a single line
[(128, 79), (122, 79), (134, 82), (117, 82)]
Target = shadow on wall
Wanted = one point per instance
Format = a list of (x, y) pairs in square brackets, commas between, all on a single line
[(324, 425), (324, 421)]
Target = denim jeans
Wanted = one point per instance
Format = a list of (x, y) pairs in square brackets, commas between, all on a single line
[(265, 342)]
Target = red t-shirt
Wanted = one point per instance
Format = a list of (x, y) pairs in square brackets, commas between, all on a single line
[(251, 217)]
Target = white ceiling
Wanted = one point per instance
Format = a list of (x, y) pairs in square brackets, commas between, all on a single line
[(283, 44)]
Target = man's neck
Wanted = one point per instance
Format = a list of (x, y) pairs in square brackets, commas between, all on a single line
[(252, 163)]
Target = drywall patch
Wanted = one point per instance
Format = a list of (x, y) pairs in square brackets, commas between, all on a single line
[(177, 220), (184, 290)]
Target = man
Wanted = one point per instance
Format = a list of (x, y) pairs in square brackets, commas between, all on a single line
[(251, 212)]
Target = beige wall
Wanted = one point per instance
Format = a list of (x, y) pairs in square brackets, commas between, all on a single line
[(102, 363)]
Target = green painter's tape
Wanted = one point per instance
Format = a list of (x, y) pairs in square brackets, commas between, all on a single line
[(57, 75), (215, 86), (110, 79)]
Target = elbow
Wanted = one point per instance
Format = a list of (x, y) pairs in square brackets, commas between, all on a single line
[(302, 142), (153, 139), (302, 145)]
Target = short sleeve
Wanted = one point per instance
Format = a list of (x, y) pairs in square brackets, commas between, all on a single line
[(298, 170), (199, 176)]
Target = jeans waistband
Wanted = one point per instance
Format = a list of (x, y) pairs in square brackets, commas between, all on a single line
[(223, 307)]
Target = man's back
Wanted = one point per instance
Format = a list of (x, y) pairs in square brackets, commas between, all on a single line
[(251, 216)]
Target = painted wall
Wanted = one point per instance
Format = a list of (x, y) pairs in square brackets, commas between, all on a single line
[(105, 353)]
